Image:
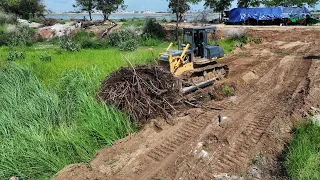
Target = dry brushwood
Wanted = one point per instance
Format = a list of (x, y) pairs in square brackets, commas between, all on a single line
[(143, 92)]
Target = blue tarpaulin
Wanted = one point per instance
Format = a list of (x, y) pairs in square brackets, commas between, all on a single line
[(259, 14)]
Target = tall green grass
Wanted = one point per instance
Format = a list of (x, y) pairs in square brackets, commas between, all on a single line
[(228, 44), (108, 60), (303, 154), (43, 130)]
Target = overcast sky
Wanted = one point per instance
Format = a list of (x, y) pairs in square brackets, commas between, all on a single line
[(133, 5)]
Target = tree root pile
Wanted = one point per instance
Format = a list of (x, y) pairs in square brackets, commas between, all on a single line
[(143, 92)]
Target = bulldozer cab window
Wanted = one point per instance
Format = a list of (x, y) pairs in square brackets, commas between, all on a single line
[(211, 37), (201, 38), (187, 38)]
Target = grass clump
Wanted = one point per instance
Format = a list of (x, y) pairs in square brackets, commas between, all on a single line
[(303, 154), (227, 90), (133, 22), (236, 38), (68, 44), (228, 44), (87, 40), (43, 130), (15, 55)]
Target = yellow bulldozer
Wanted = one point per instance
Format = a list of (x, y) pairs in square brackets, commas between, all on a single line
[(197, 63)]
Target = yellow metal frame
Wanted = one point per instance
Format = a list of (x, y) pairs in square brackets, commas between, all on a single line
[(177, 65)]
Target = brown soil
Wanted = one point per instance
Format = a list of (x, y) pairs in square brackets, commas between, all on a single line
[(276, 81)]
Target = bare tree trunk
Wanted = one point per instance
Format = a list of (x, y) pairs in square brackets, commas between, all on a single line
[(90, 15), (177, 30), (105, 16)]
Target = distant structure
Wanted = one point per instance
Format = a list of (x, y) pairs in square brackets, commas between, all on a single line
[(271, 16)]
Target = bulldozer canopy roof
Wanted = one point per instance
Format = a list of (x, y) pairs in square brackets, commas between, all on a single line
[(200, 28)]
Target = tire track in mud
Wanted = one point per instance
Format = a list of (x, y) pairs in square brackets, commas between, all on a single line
[(166, 151), (283, 102), (243, 144), (168, 146), (279, 103)]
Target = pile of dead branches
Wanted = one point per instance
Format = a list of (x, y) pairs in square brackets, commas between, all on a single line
[(143, 92)]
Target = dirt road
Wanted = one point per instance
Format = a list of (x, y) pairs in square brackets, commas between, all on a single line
[(276, 82)]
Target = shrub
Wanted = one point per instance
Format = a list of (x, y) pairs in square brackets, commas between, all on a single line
[(68, 44), (123, 20), (18, 35), (117, 37), (153, 28), (149, 41), (125, 40), (164, 20), (35, 19), (81, 35), (45, 57), (14, 55), (6, 18), (129, 45), (256, 40), (3, 36), (227, 90), (87, 40)]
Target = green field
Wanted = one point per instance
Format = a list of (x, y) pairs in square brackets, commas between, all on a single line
[(107, 60)]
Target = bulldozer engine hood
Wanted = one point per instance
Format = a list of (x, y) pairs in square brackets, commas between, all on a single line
[(173, 53)]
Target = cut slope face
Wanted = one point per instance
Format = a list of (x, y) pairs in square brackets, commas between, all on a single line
[(276, 81)]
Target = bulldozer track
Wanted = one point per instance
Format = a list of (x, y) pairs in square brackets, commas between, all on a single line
[(246, 141), (169, 146)]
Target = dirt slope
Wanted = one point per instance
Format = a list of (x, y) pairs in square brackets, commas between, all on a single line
[(277, 81)]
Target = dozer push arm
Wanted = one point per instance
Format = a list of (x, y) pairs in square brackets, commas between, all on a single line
[(178, 61), (170, 46)]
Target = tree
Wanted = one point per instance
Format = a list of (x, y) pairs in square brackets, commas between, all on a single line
[(218, 5), (179, 7), (109, 6), (248, 3), (23, 8), (86, 5)]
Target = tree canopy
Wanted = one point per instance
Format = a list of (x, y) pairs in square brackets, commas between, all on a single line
[(218, 5), (86, 5), (248, 3), (109, 6), (179, 7), (23, 8)]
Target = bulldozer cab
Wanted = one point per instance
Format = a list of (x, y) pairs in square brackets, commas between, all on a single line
[(200, 39), (199, 51)]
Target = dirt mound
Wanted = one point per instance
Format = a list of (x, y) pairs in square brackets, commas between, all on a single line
[(143, 92)]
